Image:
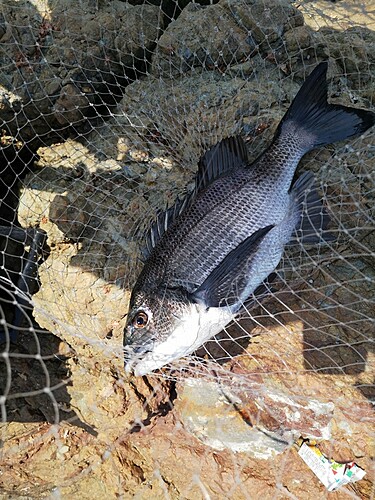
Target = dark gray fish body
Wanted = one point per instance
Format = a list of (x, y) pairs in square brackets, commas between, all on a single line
[(210, 252), (221, 217)]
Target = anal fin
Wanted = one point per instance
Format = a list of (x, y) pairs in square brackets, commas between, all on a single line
[(314, 221)]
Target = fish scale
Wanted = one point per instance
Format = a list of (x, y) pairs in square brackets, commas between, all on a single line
[(231, 220), (219, 246)]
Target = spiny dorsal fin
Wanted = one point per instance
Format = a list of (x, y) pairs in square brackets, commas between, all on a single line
[(164, 219), (226, 155)]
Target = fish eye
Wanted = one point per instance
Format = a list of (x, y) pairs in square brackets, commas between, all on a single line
[(140, 320)]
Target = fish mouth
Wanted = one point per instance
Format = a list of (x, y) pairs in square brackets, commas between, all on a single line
[(145, 364), (133, 354), (143, 359)]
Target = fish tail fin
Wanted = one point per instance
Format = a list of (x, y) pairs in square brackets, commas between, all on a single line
[(315, 122), (313, 218)]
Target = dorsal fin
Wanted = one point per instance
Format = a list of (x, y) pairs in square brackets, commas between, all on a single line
[(163, 221), (226, 155)]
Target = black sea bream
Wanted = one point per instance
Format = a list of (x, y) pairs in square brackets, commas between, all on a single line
[(210, 252)]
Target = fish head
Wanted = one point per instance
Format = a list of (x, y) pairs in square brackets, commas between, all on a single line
[(165, 325)]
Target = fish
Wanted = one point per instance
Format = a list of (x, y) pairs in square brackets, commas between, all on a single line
[(217, 246)]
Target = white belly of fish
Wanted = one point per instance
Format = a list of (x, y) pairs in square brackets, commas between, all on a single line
[(195, 329)]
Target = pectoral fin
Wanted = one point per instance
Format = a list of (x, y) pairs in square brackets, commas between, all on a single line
[(227, 281), (263, 291)]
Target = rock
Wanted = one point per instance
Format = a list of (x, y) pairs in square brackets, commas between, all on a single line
[(260, 419), (61, 61), (180, 50), (266, 21), (341, 16), (221, 423), (241, 29), (297, 39), (206, 108), (76, 213), (72, 105), (353, 50)]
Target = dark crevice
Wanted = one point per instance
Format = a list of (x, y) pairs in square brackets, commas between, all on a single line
[(171, 9), (15, 164), (162, 410), (28, 374)]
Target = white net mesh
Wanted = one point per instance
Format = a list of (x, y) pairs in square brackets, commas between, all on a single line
[(106, 108)]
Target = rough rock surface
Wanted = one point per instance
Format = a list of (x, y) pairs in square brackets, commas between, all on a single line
[(225, 427), (61, 60)]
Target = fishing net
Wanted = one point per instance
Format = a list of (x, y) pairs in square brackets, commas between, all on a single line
[(106, 108)]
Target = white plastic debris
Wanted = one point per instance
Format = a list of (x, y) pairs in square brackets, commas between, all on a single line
[(332, 474)]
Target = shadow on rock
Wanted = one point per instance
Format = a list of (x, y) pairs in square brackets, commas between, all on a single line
[(326, 343), (33, 379)]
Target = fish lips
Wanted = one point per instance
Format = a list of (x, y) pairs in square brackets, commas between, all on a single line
[(142, 359), (145, 363), (133, 354)]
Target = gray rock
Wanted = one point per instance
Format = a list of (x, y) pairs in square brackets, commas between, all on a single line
[(59, 67), (260, 420)]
